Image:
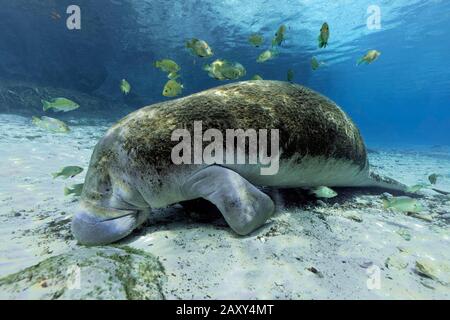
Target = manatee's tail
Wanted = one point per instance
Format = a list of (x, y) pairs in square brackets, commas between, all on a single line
[(384, 182)]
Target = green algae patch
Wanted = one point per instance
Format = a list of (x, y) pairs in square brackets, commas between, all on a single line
[(111, 272)]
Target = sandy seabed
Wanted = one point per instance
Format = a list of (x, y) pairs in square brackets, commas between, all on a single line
[(348, 247)]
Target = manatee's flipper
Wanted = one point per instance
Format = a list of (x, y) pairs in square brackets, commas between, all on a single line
[(92, 229), (243, 206), (379, 181)]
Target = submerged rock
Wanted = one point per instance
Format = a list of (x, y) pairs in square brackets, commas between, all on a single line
[(404, 234), (433, 269), (352, 215), (89, 273), (396, 261)]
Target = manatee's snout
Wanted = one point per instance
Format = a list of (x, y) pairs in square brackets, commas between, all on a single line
[(92, 227)]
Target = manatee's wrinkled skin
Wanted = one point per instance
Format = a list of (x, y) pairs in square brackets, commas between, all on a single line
[(131, 169)]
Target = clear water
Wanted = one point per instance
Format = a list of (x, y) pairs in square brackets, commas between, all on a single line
[(400, 102), (401, 99)]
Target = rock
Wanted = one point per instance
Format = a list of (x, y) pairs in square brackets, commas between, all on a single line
[(424, 217), (425, 268), (396, 261), (315, 271), (89, 273), (404, 234), (366, 264), (353, 216), (320, 203), (433, 269), (445, 216)]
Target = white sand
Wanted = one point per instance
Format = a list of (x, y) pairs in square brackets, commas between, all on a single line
[(342, 238)]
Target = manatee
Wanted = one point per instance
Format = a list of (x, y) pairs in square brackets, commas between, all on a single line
[(131, 170)]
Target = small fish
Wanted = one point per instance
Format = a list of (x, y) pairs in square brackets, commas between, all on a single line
[(167, 65), (433, 178), (266, 55), (173, 76), (290, 75), (233, 71), (323, 192), (199, 48), (225, 70), (403, 204), (125, 86), (256, 39), (66, 172), (75, 189), (50, 124), (315, 64), (279, 36), (214, 69), (324, 35), (370, 57), (59, 104), (256, 77), (172, 89), (417, 187)]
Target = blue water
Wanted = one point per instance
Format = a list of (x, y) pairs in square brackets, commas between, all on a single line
[(400, 99)]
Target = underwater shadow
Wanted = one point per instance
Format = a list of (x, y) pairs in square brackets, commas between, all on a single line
[(193, 213)]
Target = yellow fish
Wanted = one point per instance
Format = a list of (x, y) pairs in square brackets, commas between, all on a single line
[(279, 36), (324, 192), (172, 89), (256, 39), (403, 204), (324, 35), (433, 178), (66, 172), (199, 48), (290, 75), (125, 86), (173, 76), (370, 57), (50, 124), (266, 55), (167, 65), (315, 64), (225, 70), (256, 77), (75, 189), (59, 104)]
